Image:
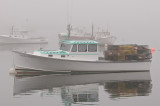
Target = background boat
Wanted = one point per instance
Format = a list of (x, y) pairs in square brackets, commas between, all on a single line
[(103, 37), (21, 36)]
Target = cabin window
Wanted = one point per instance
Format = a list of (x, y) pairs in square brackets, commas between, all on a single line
[(82, 48), (65, 47), (92, 48), (74, 48)]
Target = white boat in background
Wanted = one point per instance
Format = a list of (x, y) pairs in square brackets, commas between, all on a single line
[(103, 37), (76, 56), (100, 37), (10, 39), (20, 36)]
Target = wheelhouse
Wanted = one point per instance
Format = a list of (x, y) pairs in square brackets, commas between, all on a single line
[(86, 46), (80, 50)]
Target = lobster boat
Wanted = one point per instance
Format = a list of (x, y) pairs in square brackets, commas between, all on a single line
[(83, 56)]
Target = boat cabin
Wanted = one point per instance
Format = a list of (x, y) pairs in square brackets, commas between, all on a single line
[(75, 50)]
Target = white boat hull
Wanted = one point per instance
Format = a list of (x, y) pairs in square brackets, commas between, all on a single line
[(33, 62), (10, 40)]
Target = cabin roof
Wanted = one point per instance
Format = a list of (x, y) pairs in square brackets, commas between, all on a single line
[(80, 42)]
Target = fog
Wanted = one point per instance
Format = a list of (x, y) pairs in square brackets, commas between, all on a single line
[(131, 21)]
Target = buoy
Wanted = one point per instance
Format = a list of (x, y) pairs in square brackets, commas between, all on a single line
[(12, 71), (153, 50)]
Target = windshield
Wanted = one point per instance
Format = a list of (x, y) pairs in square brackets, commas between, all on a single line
[(65, 47)]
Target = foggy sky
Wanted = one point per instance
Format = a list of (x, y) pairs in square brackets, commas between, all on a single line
[(133, 21)]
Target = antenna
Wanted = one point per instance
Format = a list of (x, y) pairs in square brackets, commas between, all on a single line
[(69, 17), (69, 11)]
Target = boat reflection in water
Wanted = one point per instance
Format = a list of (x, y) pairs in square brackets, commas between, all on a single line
[(84, 88), (80, 94), (128, 88)]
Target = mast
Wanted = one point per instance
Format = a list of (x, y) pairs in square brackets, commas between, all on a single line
[(69, 16), (92, 32), (12, 30), (69, 31), (107, 32)]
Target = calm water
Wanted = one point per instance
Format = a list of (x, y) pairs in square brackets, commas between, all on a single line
[(124, 89)]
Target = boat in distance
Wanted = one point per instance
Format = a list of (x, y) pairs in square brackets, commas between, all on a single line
[(103, 37), (80, 56), (7, 39), (20, 36)]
